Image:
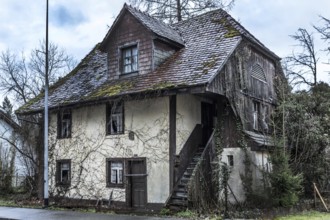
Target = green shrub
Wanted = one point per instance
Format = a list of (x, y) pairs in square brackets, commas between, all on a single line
[(285, 186)]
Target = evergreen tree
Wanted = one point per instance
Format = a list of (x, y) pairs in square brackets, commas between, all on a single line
[(7, 106)]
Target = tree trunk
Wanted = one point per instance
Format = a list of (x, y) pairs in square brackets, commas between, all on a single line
[(178, 10)]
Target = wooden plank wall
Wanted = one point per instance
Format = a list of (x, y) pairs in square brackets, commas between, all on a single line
[(235, 82)]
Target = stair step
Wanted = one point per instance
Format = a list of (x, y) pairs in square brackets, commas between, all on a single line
[(184, 180), (181, 191), (182, 196), (182, 186), (196, 159), (179, 197), (179, 202), (188, 172), (192, 165), (176, 208)]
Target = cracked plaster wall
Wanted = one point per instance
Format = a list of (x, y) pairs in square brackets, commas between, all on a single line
[(90, 146), (188, 115), (259, 161)]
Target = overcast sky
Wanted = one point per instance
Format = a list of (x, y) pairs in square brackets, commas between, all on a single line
[(77, 25)]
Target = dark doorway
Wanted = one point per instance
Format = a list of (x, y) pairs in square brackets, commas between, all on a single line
[(137, 182), (207, 121)]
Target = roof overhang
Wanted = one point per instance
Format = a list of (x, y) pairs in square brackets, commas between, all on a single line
[(195, 89), (260, 141)]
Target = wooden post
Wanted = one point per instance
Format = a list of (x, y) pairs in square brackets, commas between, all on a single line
[(318, 193), (314, 195)]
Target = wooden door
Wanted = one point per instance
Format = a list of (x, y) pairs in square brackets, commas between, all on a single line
[(207, 121), (137, 183)]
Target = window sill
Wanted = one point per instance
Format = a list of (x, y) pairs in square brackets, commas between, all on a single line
[(120, 186), (116, 134), (63, 184), (61, 138), (124, 75)]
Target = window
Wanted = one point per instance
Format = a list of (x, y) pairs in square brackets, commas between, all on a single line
[(63, 172), (115, 173), (259, 86), (64, 124), (260, 114), (230, 160), (258, 73), (115, 118), (129, 59), (256, 114)]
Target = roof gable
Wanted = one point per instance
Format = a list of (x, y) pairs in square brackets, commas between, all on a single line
[(209, 41), (157, 27)]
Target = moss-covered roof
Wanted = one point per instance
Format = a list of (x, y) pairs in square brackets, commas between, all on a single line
[(209, 40)]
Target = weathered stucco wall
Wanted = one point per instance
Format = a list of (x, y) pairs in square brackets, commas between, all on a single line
[(90, 146), (7, 152), (187, 116), (259, 161)]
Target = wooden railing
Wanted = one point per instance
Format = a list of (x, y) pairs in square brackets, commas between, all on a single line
[(187, 152), (201, 188)]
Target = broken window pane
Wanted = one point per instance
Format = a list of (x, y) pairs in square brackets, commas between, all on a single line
[(63, 172), (64, 124), (115, 119)]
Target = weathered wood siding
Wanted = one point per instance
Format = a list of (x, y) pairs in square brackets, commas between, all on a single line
[(129, 31), (161, 52), (236, 82)]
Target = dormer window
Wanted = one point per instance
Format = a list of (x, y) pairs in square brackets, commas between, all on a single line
[(129, 59)]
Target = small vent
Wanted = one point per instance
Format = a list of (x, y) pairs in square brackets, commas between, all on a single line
[(258, 73)]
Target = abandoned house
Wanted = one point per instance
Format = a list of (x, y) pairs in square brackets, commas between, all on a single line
[(134, 123), (11, 162)]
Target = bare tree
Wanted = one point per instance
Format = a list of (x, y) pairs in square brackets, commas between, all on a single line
[(176, 10), (302, 65), (24, 79), (324, 31)]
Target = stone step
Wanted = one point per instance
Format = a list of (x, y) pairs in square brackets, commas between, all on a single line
[(180, 195), (184, 180), (179, 202)]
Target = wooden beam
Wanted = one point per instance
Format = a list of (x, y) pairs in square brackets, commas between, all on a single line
[(172, 147)]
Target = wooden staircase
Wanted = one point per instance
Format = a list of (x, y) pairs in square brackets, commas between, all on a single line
[(179, 197)]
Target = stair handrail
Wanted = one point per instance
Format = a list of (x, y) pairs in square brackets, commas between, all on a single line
[(208, 144), (195, 134), (188, 151), (208, 148)]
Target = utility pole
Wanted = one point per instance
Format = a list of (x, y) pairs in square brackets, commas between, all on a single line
[(46, 202)]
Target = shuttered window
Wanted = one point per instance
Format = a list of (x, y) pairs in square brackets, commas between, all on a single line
[(258, 73)]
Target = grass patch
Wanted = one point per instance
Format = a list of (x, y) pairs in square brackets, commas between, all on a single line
[(306, 216), (186, 214), (4, 202), (165, 211)]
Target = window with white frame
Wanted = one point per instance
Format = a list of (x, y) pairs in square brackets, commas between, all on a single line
[(63, 169), (115, 172), (115, 118), (129, 59), (64, 124)]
